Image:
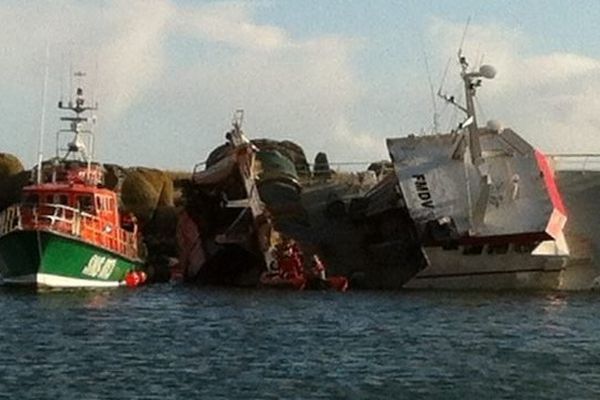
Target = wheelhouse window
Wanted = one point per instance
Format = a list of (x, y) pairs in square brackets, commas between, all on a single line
[(61, 199), (104, 203), (472, 250), (498, 249), (86, 203)]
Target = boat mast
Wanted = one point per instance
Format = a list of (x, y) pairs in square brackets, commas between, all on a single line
[(43, 118), (472, 80), (77, 126)]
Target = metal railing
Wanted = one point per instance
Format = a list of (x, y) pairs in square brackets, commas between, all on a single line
[(69, 221), (560, 161), (575, 162)]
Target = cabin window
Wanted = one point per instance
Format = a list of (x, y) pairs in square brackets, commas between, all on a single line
[(50, 199), (62, 199), (525, 248), (85, 203), (498, 249), (450, 245), (472, 250)]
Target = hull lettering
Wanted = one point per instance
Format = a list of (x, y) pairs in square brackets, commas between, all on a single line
[(423, 192), (99, 267)]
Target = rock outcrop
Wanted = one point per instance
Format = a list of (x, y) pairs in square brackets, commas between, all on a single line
[(12, 179)]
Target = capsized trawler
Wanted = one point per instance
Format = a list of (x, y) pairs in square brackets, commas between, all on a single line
[(67, 231), (228, 235), (484, 204)]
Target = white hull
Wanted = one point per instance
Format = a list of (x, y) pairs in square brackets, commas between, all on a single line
[(581, 191), (453, 269), (56, 281)]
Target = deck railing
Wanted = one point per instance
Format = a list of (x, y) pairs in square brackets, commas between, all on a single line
[(69, 221), (575, 162)]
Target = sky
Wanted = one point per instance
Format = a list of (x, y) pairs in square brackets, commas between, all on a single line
[(333, 76)]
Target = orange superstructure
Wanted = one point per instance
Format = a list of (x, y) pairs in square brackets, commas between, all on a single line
[(75, 208)]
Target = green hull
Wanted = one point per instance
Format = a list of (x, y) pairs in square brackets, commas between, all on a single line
[(47, 259)]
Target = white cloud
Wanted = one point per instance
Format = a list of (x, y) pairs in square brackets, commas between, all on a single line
[(171, 71), (125, 39), (230, 23), (291, 88), (133, 59), (550, 99)]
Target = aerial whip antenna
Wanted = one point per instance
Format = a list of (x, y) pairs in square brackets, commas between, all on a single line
[(462, 41), (432, 92), (43, 117)]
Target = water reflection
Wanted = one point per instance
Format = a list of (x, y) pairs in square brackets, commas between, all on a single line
[(555, 302)]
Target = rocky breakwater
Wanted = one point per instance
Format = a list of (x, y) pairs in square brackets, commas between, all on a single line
[(152, 195), (12, 179)]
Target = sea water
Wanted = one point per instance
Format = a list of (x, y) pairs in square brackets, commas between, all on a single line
[(171, 342)]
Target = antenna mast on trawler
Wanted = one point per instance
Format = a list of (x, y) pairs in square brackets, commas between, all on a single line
[(471, 80), (43, 118), (78, 127)]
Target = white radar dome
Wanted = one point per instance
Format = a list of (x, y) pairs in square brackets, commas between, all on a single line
[(487, 71), (494, 125)]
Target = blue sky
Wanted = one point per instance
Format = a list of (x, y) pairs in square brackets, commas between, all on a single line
[(338, 76)]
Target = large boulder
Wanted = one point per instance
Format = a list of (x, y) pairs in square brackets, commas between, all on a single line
[(12, 179), (138, 195), (9, 165), (11, 187), (143, 190), (161, 182)]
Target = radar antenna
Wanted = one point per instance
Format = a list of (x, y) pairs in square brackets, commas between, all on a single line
[(471, 81), (81, 145)]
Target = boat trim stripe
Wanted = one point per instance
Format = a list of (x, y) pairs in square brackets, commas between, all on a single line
[(51, 280), (478, 273)]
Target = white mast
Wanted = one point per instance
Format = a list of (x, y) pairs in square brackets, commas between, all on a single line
[(471, 80), (79, 126), (43, 118)]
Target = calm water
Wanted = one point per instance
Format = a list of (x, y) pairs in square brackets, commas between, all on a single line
[(168, 342)]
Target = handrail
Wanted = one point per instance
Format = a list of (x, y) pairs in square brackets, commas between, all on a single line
[(71, 222), (575, 162), (562, 162)]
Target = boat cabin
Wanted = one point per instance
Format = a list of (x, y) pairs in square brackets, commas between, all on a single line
[(88, 212), (88, 200)]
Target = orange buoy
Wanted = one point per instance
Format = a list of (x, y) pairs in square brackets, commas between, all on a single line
[(143, 276), (132, 279)]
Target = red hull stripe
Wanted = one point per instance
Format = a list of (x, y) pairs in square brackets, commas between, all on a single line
[(559, 214), (551, 186)]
